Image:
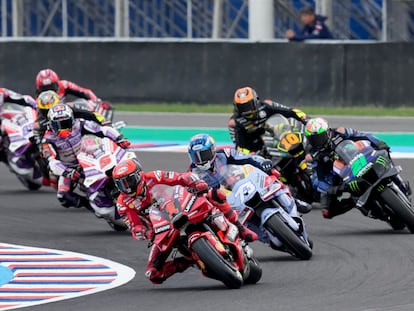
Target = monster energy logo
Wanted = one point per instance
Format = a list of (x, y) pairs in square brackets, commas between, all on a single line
[(353, 186), (381, 161), (380, 188)]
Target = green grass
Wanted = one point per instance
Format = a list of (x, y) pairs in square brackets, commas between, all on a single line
[(227, 108)]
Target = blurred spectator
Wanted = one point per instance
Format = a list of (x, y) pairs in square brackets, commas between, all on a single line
[(314, 27)]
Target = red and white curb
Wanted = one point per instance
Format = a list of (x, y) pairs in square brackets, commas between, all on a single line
[(42, 275)]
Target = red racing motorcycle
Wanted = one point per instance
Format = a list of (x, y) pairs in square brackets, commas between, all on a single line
[(189, 224)]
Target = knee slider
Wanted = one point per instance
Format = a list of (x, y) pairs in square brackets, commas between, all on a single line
[(154, 276)]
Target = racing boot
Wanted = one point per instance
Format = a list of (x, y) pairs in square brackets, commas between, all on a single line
[(218, 199), (331, 207), (158, 270), (245, 233), (302, 206)]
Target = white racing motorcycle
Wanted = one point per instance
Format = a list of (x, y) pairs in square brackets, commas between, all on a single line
[(267, 207), (98, 157), (17, 124)]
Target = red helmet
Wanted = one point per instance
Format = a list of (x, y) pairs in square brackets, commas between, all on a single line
[(129, 177), (46, 80)]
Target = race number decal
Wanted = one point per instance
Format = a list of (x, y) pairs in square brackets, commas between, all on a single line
[(289, 140), (245, 190)]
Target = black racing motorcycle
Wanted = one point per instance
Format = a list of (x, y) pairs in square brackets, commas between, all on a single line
[(285, 144), (371, 182)]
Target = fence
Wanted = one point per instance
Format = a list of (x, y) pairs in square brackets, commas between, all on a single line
[(387, 20)]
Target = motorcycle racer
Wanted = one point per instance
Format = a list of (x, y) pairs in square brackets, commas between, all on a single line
[(323, 141), (135, 199), (247, 123), (7, 95), (62, 143), (206, 162), (47, 100), (47, 79), (44, 102)]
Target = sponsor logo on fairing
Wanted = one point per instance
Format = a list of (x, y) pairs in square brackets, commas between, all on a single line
[(162, 229), (190, 204)]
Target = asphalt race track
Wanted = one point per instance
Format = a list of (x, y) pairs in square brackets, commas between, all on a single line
[(358, 263)]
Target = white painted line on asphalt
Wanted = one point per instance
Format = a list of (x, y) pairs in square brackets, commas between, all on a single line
[(42, 275)]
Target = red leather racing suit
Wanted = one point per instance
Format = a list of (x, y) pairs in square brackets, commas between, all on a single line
[(65, 87), (134, 210)]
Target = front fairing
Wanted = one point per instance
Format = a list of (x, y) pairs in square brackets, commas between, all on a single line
[(247, 183), (362, 168), (98, 160), (168, 202), (283, 138), (18, 124)]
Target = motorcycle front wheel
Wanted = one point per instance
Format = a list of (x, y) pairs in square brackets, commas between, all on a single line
[(255, 273), (396, 200), (289, 238), (216, 266)]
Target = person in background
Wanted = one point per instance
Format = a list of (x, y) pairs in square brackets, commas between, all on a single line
[(314, 27), (248, 121)]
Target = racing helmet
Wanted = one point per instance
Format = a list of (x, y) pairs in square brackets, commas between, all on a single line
[(61, 119), (317, 132), (202, 151), (129, 177), (45, 101), (46, 80), (246, 102)]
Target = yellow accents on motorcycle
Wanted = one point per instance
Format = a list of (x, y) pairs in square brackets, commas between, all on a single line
[(303, 165), (244, 150), (99, 117)]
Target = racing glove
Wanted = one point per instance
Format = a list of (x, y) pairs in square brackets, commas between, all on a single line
[(336, 190), (73, 175), (301, 115), (122, 142), (140, 232), (275, 173), (192, 181), (266, 166), (382, 145), (200, 186)]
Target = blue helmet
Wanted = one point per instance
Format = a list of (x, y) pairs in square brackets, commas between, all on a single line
[(202, 151)]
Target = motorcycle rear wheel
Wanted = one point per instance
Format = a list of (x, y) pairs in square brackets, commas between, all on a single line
[(216, 265), (400, 206), (289, 239)]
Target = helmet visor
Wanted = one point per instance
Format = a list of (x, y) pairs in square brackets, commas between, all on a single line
[(58, 125), (319, 141), (48, 87), (128, 184), (247, 109), (203, 156)]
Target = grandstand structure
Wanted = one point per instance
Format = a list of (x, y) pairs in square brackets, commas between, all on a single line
[(385, 20)]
